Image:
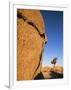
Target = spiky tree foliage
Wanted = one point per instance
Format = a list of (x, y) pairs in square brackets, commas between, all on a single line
[(54, 61)]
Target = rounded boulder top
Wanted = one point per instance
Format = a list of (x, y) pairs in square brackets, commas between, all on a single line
[(33, 16)]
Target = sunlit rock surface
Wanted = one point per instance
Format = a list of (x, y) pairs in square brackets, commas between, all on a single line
[(30, 43)]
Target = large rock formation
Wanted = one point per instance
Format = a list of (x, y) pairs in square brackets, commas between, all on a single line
[(30, 43)]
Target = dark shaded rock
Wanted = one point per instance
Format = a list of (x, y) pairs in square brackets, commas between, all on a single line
[(55, 75), (39, 76)]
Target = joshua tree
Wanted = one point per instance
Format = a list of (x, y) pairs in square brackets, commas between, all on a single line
[(54, 61)]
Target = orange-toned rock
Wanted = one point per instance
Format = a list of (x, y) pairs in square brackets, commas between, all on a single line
[(30, 43)]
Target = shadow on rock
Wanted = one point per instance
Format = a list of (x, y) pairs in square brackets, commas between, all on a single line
[(55, 75), (39, 76)]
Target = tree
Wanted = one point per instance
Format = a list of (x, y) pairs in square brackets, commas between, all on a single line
[(54, 61)]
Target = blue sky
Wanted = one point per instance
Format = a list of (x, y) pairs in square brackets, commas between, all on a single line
[(54, 30)]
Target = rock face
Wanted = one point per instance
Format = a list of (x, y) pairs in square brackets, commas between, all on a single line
[(30, 43)]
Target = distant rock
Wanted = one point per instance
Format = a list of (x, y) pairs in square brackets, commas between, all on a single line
[(52, 73), (58, 69)]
